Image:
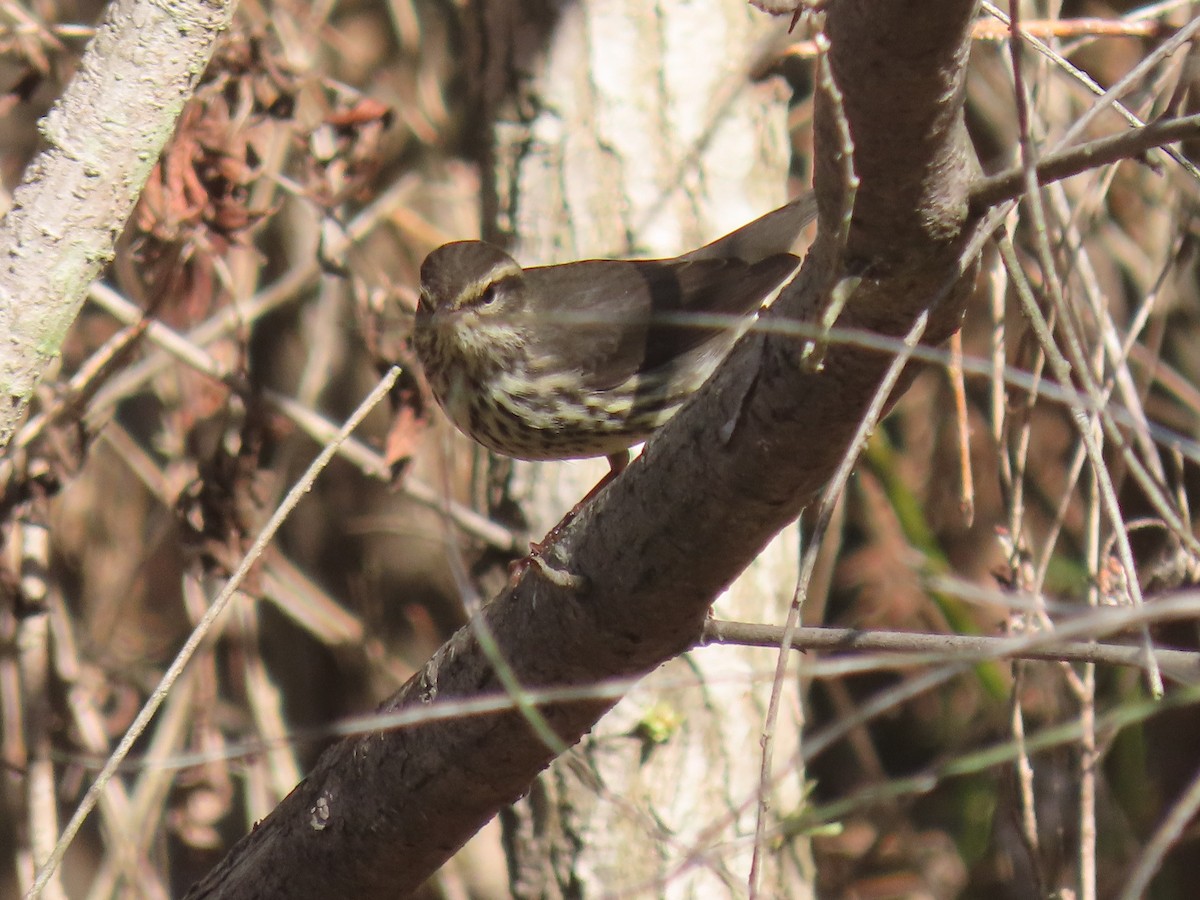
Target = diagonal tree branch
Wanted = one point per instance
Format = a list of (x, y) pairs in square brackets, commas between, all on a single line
[(380, 812)]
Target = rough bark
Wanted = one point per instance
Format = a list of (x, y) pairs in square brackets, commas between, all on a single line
[(380, 812)]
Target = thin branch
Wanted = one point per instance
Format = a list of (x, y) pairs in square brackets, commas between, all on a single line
[(829, 499), (316, 426), (200, 632), (1009, 184), (1168, 835), (1181, 665), (1109, 98)]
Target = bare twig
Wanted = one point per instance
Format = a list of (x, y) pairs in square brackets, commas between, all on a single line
[(918, 649), (1060, 164), (175, 670)]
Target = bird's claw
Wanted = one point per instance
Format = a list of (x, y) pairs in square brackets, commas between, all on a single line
[(559, 577)]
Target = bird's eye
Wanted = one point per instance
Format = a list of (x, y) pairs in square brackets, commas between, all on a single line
[(489, 296)]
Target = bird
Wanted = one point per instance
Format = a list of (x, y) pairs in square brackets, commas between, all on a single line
[(589, 358)]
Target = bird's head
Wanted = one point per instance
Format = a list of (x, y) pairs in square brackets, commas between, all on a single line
[(472, 294)]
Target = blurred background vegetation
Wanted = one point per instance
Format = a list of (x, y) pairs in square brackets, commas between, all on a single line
[(329, 147)]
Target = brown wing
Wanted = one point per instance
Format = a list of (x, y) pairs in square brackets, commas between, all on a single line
[(610, 320)]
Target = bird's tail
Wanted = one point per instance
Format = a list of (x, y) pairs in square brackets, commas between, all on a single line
[(768, 235)]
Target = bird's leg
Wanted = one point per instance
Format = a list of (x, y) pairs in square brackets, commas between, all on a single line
[(617, 463)]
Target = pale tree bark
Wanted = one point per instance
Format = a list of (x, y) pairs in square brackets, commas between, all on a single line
[(651, 136), (104, 134)]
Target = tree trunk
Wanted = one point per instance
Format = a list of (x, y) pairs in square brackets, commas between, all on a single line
[(660, 143)]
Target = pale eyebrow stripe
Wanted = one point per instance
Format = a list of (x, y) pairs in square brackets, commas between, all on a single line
[(497, 276)]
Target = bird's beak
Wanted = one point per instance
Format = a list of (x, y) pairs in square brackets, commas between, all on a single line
[(440, 317), (437, 316)]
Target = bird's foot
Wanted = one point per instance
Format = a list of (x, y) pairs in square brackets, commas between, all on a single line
[(517, 568)]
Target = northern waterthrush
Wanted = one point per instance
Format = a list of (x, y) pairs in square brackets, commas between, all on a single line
[(588, 358)]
